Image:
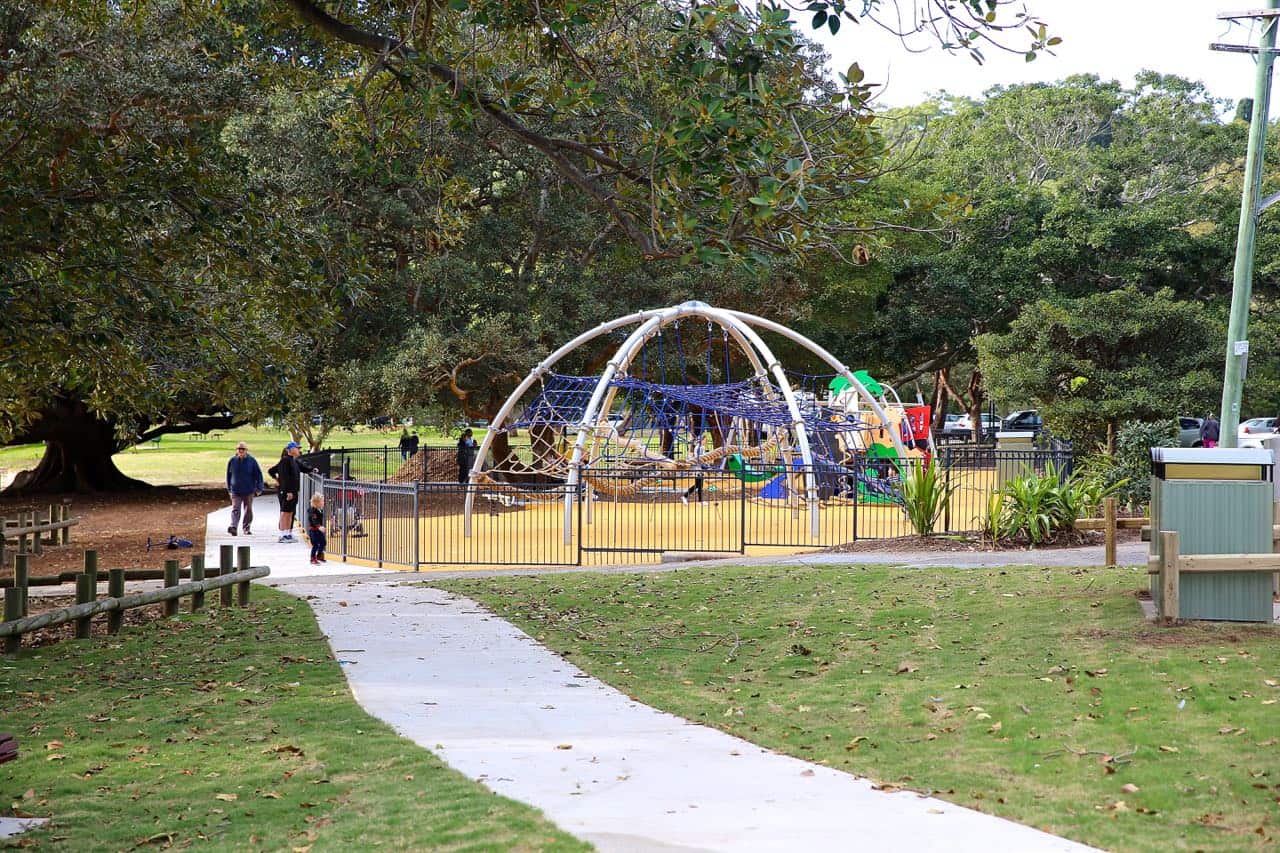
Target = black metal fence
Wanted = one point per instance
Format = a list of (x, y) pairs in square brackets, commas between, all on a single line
[(384, 512)]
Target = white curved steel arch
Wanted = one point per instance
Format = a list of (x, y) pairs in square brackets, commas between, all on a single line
[(738, 324)]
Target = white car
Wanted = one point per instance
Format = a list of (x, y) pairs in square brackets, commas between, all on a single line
[(1254, 431)]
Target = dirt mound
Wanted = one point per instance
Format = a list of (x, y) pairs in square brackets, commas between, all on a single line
[(433, 465)]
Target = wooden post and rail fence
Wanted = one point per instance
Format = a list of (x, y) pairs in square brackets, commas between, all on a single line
[(236, 576), (30, 535)]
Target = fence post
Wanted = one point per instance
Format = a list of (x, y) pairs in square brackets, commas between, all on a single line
[(381, 523), (225, 555), (385, 450), (417, 525), (91, 567), (12, 611), (64, 514), (1169, 575), (85, 593), (1109, 512), (242, 588), (345, 519), (945, 459), (170, 580), (115, 589), (21, 580), (197, 574)]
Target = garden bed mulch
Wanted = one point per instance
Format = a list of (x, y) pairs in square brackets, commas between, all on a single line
[(968, 544)]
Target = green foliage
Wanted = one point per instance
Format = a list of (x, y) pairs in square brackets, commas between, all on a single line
[(1037, 507), (1128, 473), (1103, 359), (925, 494)]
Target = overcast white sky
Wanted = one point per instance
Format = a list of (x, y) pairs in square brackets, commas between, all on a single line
[(1111, 38)]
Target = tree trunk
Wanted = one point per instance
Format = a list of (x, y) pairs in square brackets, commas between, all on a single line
[(1111, 438), (939, 401), (77, 455), (976, 399)]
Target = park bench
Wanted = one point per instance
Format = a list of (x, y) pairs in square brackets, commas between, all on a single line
[(8, 747)]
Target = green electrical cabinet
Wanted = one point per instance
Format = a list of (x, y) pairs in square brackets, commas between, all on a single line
[(1218, 500), (1015, 464)]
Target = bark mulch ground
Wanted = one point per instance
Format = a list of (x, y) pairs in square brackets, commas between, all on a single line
[(118, 526)]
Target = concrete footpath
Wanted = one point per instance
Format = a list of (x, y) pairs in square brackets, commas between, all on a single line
[(507, 712)]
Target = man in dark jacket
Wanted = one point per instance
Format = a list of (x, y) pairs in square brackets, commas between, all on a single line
[(288, 476), (244, 483), (466, 456)]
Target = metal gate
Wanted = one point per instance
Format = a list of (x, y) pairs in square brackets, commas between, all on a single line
[(777, 514), (633, 512)]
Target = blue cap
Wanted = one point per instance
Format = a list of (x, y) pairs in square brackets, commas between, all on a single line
[(291, 445)]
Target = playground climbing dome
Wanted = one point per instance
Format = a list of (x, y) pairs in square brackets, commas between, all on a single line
[(693, 392)]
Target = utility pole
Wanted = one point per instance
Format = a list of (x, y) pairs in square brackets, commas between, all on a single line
[(1250, 210)]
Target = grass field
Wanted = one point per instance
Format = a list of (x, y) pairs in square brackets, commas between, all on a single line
[(1038, 695), (235, 730), (194, 459)]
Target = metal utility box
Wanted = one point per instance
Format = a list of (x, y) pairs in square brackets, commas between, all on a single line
[(1218, 500), (1011, 465)]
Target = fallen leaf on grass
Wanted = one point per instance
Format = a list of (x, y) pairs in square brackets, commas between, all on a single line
[(271, 795), (905, 666), (995, 728), (159, 838), (226, 798), (53, 744), (1168, 748), (853, 744), (1129, 788), (1119, 806)]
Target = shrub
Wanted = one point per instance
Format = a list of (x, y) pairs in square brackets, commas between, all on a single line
[(1039, 506), (1128, 473), (925, 493)]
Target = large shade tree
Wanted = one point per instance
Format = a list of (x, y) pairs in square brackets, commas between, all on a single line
[(140, 286)]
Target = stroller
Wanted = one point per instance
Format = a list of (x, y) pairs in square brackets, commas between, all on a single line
[(345, 513)]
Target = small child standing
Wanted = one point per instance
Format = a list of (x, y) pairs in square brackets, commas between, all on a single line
[(315, 529)]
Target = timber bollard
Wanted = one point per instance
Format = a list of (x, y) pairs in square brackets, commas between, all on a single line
[(37, 543), (86, 591), (171, 579), (91, 566), (115, 589), (12, 611), (225, 555), (242, 588), (64, 514), (1169, 609), (1109, 513), (21, 580), (197, 574)]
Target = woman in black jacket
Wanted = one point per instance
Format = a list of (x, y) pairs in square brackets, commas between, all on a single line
[(288, 476)]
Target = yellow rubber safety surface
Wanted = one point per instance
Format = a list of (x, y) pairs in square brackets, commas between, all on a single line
[(529, 532)]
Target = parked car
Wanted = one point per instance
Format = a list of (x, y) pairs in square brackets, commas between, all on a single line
[(1026, 420), (1189, 432), (964, 426), (951, 428), (1254, 426)]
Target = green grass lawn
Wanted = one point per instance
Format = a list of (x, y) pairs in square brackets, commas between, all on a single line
[(1038, 695), (230, 730), (193, 459)]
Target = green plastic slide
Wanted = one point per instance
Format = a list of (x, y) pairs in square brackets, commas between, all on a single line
[(738, 466)]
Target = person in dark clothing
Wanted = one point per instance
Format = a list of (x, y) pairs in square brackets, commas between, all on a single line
[(1209, 431), (244, 483), (404, 444), (288, 476), (466, 455), (315, 529), (413, 444)]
